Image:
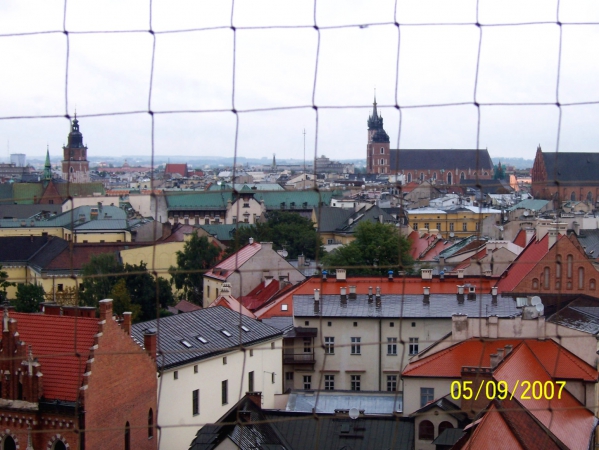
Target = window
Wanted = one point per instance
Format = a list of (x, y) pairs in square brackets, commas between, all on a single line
[(329, 382), (546, 277), (289, 376), (426, 395), (426, 225), (464, 226), (592, 284), (413, 346), (150, 424), (415, 226), (246, 205), (330, 241), (59, 287), (391, 346), (451, 226), (391, 324), (535, 283), (251, 381), (208, 291), (58, 445), (307, 345), (382, 150), (224, 360), (272, 345), (409, 177), (307, 381), (329, 345), (251, 352), (580, 278), (195, 369), (570, 261), (329, 324), (306, 323), (382, 162), (176, 374), (272, 378), (558, 266), (413, 324), (355, 324), (224, 391), (438, 225), (477, 226), (421, 176), (391, 383), (225, 332), (444, 426), (234, 219), (356, 382), (355, 345), (216, 292), (426, 431), (283, 307), (195, 402), (127, 434)]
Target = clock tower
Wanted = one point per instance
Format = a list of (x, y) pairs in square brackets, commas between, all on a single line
[(75, 166)]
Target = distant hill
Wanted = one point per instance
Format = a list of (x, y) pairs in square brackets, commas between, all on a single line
[(518, 163)]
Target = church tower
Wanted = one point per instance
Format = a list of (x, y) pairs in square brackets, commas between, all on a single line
[(377, 150), (75, 166)]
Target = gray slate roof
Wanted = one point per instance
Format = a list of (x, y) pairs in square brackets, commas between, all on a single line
[(207, 323), (412, 306), (589, 239), (582, 314), (440, 159), (573, 167), (329, 401)]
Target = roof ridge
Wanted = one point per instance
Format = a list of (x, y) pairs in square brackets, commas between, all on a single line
[(579, 362)]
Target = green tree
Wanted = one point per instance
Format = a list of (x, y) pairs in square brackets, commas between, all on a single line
[(29, 297), (198, 255), (377, 248), (148, 293), (4, 283), (99, 277), (286, 230), (121, 300)]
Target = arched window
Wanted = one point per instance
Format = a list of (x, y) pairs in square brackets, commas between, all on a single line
[(59, 445), (546, 277), (573, 196), (434, 175), (71, 170), (8, 443), (592, 284), (382, 162), (382, 150), (590, 197), (127, 437), (558, 266), (449, 178), (421, 176), (444, 426), (570, 259), (409, 177), (581, 278), (462, 176), (150, 424), (535, 283), (426, 431)]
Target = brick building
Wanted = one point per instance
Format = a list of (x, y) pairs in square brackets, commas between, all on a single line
[(75, 166), (565, 176), (74, 382), (445, 166)]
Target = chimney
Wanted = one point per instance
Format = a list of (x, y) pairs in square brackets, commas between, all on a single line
[(51, 309), (343, 295), (255, 397), (267, 280), (378, 297), (495, 359), (460, 294), (553, 233), (352, 292), (324, 274), (508, 350), (427, 291), (105, 309), (459, 327), (316, 295), (245, 416), (494, 294), (127, 322), (341, 275), (500, 353), (426, 274), (390, 275), (529, 234), (370, 294), (301, 260), (150, 342), (316, 301), (576, 227), (251, 240), (460, 273)]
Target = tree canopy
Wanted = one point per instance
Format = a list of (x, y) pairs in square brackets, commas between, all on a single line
[(198, 255), (29, 297), (4, 283), (377, 248), (286, 230)]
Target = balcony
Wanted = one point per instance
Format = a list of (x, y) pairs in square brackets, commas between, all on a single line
[(298, 358)]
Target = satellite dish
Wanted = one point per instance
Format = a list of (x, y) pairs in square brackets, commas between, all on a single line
[(540, 309), (283, 253), (536, 300), (354, 413), (452, 234), (526, 213)]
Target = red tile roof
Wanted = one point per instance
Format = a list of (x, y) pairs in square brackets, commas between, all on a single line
[(226, 267), (185, 306), (233, 304), (520, 239), (55, 342), (181, 169), (260, 295), (524, 263)]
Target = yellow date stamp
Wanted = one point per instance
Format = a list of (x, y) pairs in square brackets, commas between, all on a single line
[(522, 390)]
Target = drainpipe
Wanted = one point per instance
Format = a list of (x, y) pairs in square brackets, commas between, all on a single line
[(380, 351)]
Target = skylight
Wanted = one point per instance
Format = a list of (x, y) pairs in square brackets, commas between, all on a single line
[(185, 343), (244, 328), (202, 340), (226, 333)]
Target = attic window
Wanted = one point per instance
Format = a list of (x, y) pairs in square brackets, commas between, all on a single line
[(226, 333), (202, 340), (283, 307), (244, 328), (185, 343)]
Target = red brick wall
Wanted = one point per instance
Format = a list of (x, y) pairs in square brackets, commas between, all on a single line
[(122, 387), (563, 247)]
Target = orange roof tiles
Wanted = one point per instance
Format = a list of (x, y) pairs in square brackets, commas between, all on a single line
[(55, 342), (520, 239), (490, 430), (223, 269), (260, 294)]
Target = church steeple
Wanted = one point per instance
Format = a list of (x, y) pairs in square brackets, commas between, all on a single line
[(375, 121), (47, 167)]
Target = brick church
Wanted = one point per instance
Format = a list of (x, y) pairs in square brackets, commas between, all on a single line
[(75, 166), (445, 166)]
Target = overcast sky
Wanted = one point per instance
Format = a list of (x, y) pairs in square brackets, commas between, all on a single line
[(196, 72)]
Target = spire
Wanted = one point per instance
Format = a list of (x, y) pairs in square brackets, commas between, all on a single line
[(47, 166), (75, 138), (375, 121)]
